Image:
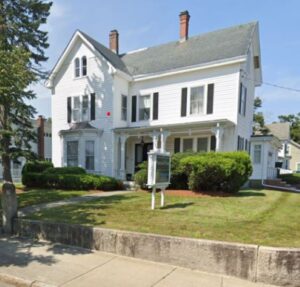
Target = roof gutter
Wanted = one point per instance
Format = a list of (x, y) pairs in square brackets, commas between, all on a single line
[(214, 64)]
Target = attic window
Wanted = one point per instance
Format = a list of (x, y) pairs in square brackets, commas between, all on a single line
[(83, 65), (256, 62), (77, 67)]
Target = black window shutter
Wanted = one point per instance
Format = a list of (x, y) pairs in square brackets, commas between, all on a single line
[(212, 143), (245, 102), (239, 143), (69, 109), (183, 101), (240, 98), (155, 106), (176, 145), (133, 109), (210, 98), (93, 107)]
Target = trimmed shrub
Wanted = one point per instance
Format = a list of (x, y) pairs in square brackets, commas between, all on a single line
[(292, 178), (141, 176), (225, 171), (71, 181), (179, 179), (36, 166), (66, 170)]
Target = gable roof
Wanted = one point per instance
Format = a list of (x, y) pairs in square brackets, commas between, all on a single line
[(221, 45), (280, 130), (210, 47)]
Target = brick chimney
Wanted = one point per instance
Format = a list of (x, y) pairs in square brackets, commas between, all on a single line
[(41, 137), (114, 41), (184, 25)]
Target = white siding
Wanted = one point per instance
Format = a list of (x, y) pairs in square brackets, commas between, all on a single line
[(225, 97)]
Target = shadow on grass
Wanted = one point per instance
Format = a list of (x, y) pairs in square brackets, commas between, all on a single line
[(178, 205), (249, 194)]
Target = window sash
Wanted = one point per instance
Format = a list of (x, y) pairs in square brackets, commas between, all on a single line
[(90, 155), (72, 153), (202, 144), (187, 144), (124, 108), (84, 65), (85, 108), (144, 107), (257, 154), (77, 68), (76, 109), (197, 100)]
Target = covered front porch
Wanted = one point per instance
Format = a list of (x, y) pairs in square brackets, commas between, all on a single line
[(133, 144)]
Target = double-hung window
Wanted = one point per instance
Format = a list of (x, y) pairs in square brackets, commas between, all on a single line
[(77, 67), (187, 145), (83, 66), (202, 144), (124, 108), (76, 109), (243, 100), (144, 107), (257, 154), (72, 153), (90, 155), (85, 108), (197, 100)]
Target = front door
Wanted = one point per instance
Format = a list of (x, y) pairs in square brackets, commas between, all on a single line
[(141, 153)]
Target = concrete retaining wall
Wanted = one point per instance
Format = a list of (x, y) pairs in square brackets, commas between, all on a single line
[(251, 262)]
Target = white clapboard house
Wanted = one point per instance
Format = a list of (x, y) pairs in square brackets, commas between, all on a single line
[(195, 93)]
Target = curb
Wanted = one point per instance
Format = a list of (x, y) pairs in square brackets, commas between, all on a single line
[(20, 282)]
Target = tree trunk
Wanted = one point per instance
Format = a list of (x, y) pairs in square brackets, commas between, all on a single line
[(9, 198)]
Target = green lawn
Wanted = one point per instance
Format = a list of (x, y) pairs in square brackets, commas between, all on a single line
[(37, 196), (260, 217)]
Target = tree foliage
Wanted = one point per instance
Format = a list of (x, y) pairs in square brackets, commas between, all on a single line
[(22, 50), (294, 121)]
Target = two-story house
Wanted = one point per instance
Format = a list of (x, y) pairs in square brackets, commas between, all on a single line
[(195, 93)]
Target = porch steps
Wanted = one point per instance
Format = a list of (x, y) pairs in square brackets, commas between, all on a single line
[(279, 184), (130, 185)]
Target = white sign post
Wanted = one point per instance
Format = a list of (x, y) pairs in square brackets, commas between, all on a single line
[(159, 173)]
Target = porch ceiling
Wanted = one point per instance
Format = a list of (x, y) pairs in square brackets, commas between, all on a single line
[(181, 127)]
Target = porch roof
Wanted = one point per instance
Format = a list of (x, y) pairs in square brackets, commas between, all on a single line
[(193, 126)]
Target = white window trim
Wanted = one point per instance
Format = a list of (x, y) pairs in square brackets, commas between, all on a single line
[(123, 95), (80, 67), (195, 142), (261, 154), (188, 104), (138, 107), (89, 140), (81, 109)]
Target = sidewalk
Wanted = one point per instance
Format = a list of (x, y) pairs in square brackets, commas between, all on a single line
[(84, 198), (32, 263)]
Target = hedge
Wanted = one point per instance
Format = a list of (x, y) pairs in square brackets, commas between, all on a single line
[(70, 181), (66, 170), (42, 174), (221, 171), (140, 177), (226, 172), (36, 166), (292, 178)]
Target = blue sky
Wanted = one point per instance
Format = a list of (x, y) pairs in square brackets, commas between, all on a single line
[(148, 23)]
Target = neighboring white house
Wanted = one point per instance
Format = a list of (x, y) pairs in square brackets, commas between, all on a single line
[(264, 155), (42, 148), (108, 109)]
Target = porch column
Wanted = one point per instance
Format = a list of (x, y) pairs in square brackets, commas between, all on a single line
[(155, 136), (163, 140), (218, 131), (123, 138)]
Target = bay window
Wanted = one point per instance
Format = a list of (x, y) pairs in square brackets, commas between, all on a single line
[(90, 155), (72, 153)]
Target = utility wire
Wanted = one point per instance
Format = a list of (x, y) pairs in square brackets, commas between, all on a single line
[(273, 85)]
